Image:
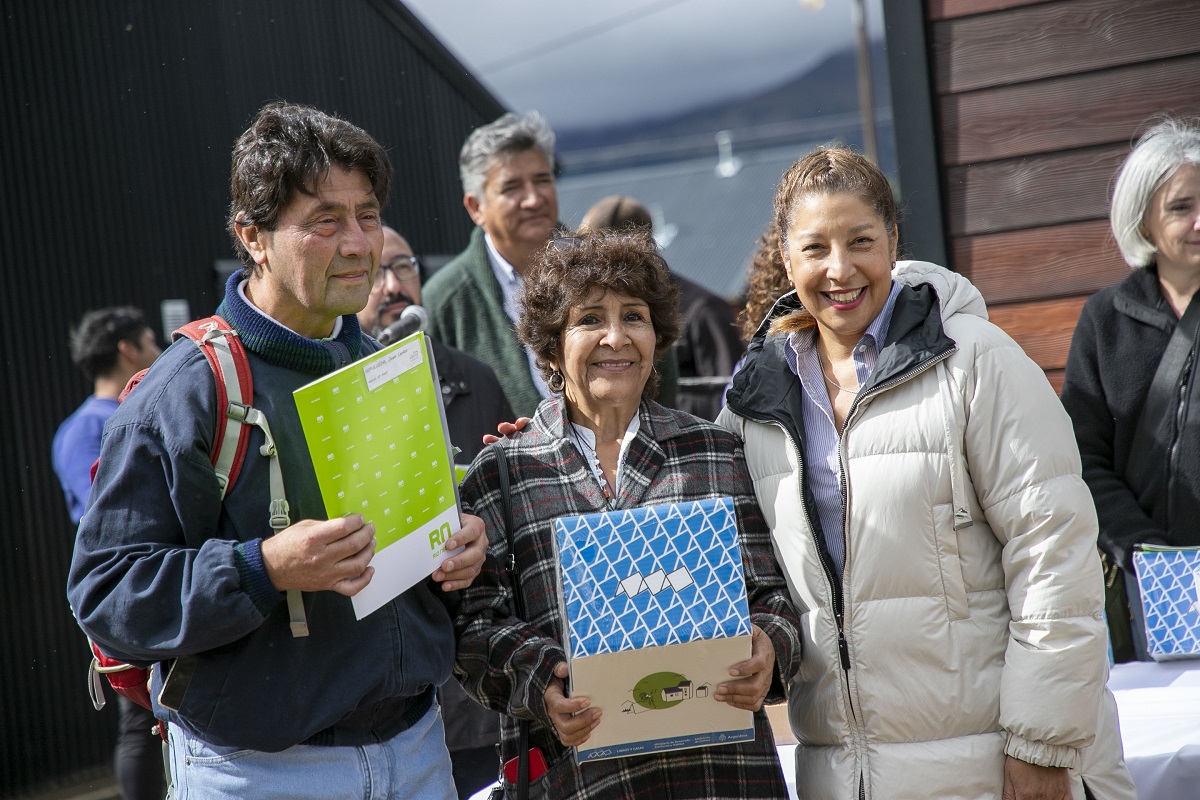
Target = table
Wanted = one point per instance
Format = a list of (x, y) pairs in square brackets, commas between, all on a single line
[(1159, 706)]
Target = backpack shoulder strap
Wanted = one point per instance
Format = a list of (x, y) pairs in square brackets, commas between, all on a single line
[(221, 345)]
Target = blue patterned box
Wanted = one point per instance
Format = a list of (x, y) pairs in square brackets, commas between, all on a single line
[(656, 611), (1169, 581)]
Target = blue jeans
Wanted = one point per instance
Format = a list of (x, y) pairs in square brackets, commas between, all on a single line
[(413, 764)]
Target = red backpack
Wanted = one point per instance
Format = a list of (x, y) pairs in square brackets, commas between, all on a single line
[(235, 390)]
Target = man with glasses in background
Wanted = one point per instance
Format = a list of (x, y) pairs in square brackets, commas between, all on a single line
[(475, 406)]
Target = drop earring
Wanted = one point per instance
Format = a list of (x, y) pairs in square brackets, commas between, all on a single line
[(556, 381)]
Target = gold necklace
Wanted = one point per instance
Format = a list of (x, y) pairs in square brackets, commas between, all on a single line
[(830, 380)]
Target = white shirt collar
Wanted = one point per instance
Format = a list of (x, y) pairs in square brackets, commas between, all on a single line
[(499, 261), (586, 435)]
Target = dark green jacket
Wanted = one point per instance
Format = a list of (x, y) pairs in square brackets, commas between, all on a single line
[(466, 309)]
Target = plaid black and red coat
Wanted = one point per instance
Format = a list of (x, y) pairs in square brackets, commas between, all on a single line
[(507, 663)]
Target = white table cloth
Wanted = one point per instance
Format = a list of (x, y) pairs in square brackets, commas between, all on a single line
[(1159, 706)]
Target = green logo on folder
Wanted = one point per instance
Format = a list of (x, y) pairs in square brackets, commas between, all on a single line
[(378, 444)]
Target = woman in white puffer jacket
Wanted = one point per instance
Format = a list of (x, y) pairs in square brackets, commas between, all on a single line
[(923, 488)]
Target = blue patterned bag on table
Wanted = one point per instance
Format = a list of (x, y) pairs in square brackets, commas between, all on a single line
[(1169, 581)]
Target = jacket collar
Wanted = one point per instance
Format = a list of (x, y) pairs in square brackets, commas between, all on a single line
[(479, 267), (277, 345), (762, 388), (1139, 297), (643, 461)]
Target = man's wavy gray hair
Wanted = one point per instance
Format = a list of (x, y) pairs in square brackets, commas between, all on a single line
[(506, 137)]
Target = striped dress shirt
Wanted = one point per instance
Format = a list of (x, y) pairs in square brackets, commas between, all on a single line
[(821, 459)]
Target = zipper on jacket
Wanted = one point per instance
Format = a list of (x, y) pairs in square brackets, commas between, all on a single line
[(843, 647), (835, 584), (839, 610), (1181, 409)]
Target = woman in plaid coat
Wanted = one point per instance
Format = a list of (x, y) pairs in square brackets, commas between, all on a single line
[(598, 309)]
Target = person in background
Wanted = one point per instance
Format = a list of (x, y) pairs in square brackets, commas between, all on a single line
[(475, 406), (1131, 372), (110, 346), (597, 313), (507, 170), (708, 346), (271, 686), (924, 494)]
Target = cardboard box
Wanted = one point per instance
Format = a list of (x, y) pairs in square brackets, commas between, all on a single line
[(1169, 583), (656, 611)]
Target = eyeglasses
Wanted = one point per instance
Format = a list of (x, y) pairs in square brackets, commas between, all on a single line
[(405, 268)]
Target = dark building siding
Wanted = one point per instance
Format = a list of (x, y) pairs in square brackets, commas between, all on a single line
[(1035, 105), (117, 123)]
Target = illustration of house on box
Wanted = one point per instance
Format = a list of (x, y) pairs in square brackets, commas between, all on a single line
[(683, 691), (655, 606)]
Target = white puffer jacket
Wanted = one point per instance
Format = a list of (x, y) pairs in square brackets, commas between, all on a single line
[(971, 600)]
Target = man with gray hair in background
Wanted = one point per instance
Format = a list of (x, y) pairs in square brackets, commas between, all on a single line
[(507, 171)]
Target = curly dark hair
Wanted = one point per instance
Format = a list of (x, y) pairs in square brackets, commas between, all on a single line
[(767, 281), (572, 266), (289, 148)]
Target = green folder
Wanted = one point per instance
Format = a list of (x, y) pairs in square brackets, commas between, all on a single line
[(376, 431)]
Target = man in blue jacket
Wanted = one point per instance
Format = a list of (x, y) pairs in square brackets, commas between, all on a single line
[(110, 346), (166, 572)]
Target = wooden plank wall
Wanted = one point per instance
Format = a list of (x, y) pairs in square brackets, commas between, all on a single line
[(1037, 104)]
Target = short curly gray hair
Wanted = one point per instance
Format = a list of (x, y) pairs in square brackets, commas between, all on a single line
[(502, 139), (1163, 149)]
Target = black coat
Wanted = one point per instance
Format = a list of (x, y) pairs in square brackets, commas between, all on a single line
[(1122, 333)]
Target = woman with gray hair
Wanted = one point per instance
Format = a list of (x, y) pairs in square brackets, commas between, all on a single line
[(1129, 373)]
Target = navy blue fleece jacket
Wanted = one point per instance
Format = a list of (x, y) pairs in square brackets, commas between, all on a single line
[(163, 568)]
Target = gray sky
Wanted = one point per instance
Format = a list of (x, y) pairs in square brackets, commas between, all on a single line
[(584, 64)]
